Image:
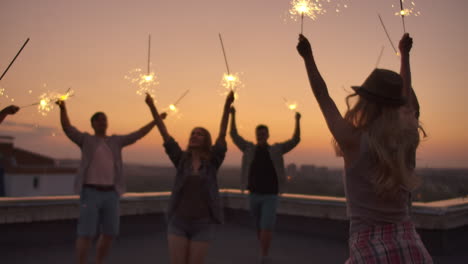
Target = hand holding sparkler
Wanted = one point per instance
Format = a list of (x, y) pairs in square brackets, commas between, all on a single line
[(9, 110), (158, 119), (303, 47), (229, 100), (225, 118), (405, 45), (150, 102), (298, 116)]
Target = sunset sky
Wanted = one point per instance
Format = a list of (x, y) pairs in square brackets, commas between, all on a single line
[(90, 45)]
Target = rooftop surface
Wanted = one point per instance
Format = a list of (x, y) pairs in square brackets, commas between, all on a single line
[(315, 235)]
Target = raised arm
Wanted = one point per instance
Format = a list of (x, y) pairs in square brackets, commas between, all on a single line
[(292, 143), (342, 131), (405, 45), (158, 119), (9, 110), (71, 132), (224, 119), (239, 141), (64, 120)]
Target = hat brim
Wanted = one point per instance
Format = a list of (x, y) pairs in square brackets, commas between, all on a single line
[(378, 98)]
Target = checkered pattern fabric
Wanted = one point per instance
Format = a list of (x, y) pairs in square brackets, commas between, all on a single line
[(388, 244)]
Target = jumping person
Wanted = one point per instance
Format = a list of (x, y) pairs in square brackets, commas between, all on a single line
[(264, 176), (195, 206), (377, 138), (100, 182)]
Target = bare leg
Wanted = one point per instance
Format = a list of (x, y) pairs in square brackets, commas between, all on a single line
[(103, 247), (178, 249), (197, 252), (265, 237), (82, 248)]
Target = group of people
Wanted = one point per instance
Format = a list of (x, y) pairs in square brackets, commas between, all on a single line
[(377, 138)]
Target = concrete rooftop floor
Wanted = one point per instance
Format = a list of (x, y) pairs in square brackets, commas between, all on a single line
[(143, 240)]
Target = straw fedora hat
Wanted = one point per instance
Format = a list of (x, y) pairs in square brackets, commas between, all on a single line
[(383, 87)]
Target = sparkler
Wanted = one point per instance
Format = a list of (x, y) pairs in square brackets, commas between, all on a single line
[(290, 105), (11, 63), (48, 99), (380, 56), (173, 107), (402, 13), (305, 8), (386, 32), (229, 81), (406, 12), (146, 83)]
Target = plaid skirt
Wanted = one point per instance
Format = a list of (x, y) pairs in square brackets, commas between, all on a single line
[(388, 244)]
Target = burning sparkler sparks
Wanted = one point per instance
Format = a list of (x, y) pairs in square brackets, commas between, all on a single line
[(306, 8), (230, 81), (47, 101), (290, 105), (144, 82), (403, 12), (411, 10), (4, 94), (172, 108)]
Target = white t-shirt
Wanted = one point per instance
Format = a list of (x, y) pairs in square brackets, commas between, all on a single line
[(101, 170)]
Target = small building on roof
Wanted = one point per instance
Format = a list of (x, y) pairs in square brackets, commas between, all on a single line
[(25, 173)]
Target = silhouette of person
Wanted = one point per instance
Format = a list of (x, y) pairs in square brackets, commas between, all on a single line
[(377, 138), (195, 206)]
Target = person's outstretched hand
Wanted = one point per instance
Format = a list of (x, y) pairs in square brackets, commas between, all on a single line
[(406, 43), (298, 116), (149, 100), (11, 109), (303, 47)]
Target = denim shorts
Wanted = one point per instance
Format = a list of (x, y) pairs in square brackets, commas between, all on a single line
[(202, 230), (99, 213), (263, 209)]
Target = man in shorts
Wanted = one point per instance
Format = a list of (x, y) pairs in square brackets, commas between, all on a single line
[(264, 174), (100, 182)]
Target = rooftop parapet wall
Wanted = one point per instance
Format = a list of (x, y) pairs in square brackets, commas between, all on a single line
[(440, 215)]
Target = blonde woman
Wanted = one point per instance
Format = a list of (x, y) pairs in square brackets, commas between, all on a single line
[(195, 206), (377, 138)]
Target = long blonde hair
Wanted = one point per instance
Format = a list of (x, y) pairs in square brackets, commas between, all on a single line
[(392, 144)]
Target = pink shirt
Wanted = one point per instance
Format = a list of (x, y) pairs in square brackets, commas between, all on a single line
[(101, 169)]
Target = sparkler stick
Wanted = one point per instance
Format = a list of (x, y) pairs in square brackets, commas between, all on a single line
[(149, 53), (181, 97), (386, 32), (302, 22), (402, 13), (11, 63), (380, 56), (224, 53), (29, 105)]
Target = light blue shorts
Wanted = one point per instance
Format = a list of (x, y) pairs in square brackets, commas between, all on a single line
[(263, 209), (99, 213)]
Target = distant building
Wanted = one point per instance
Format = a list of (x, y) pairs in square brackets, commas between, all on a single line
[(307, 170), (291, 171), (24, 173)]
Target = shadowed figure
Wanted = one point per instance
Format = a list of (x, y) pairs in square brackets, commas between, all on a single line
[(264, 176), (9, 110), (100, 182), (195, 207), (377, 138)]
